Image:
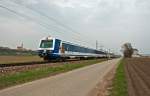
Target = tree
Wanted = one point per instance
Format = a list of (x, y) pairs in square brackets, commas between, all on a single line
[(127, 50)]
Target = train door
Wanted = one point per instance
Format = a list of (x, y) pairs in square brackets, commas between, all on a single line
[(57, 45)]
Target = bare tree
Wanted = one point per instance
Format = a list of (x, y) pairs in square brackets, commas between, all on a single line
[(127, 50)]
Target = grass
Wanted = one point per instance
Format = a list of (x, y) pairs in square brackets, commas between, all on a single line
[(18, 59), (14, 52), (30, 75), (119, 86)]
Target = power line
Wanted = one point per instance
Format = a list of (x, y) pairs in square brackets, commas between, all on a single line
[(50, 18), (53, 19), (16, 13), (19, 14)]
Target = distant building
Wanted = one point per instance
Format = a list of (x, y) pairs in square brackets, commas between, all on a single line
[(21, 48), (145, 55), (136, 53)]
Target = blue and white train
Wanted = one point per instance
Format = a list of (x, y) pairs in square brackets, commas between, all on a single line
[(52, 48)]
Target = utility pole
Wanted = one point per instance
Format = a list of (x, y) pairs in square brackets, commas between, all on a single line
[(101, 47), (96, 44), (22, 44), (109, 54)]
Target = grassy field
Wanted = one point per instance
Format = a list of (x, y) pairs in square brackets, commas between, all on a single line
[(119, 86), (22, 77), (5, 51), (18, 59)]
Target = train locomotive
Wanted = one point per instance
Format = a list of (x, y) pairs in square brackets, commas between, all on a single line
[(52, 48)]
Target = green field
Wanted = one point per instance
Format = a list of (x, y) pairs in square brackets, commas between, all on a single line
[(18, 59), (30, 75), (119, 86), (14, 52)]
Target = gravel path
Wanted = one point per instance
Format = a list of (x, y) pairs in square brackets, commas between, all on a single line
[(78, 82)]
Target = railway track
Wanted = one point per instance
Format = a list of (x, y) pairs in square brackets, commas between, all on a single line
[(19, 67), (23, 63), (35, 63)]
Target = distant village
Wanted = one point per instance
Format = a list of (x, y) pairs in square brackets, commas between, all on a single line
[(19, 50)]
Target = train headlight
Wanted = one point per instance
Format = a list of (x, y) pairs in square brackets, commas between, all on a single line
[(44, 51), (47, 51)]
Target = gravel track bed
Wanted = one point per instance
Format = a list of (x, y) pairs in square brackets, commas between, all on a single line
[(14, 69)]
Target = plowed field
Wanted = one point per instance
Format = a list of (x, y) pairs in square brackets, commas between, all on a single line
[(138, 76)]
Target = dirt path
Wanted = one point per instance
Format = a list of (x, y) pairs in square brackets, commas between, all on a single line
[(104, 86), (138, 76), (74, 83)]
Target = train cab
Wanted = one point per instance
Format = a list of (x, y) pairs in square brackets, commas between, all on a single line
[(49, 48)]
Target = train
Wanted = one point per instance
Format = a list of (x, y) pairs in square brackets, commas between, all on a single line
[(51, 48)]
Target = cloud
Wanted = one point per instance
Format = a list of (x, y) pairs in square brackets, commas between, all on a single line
[(13, 32), (74, 3), (27, 2), (112, 22)]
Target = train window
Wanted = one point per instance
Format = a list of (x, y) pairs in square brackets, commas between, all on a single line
[(46, 44)]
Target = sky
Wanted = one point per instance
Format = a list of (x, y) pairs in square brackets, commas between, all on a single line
[(110, 22)]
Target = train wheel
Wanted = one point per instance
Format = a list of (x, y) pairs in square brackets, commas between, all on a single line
[(45, 59), (63, 59)]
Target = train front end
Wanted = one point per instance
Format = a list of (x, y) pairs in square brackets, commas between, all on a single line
[(49, 48)]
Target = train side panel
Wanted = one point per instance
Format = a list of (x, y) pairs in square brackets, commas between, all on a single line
[(61, 50)]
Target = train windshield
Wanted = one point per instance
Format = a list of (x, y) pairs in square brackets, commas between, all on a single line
[(46, 44)]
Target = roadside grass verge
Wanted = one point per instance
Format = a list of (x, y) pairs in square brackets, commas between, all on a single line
[(119, 86), (30, 75)]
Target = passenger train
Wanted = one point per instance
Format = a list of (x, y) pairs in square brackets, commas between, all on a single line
[(53, 48)]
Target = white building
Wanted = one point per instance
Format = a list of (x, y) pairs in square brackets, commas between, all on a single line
[(136, 53)]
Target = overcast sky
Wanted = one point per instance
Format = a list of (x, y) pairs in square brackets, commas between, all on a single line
[(111, 22)]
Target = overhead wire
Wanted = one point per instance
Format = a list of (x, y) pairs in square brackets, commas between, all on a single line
[(18, 14), (32, 18), (24, 16), (56, 21)]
